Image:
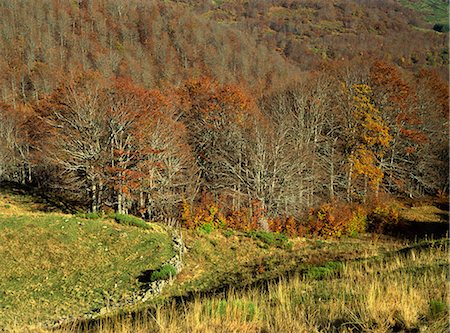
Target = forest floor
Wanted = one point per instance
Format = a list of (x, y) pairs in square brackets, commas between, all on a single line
[(56, 265)]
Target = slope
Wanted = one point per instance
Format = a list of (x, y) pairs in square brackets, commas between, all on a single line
[(57, 265)]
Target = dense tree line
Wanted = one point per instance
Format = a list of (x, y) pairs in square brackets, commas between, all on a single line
[(118, 107), (342, 133)]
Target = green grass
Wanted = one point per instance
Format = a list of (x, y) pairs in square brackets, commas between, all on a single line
[(163, 273), (131, 221), (55, 265), (221, 259), (434, 11), (401, 292), (271, 239)]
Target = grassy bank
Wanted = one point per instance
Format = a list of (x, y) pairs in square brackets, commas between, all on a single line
[(434, 11), (403, 292), (55, 265)]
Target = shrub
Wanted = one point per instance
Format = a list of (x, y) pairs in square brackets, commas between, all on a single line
[(441, 27), (271, 238), (323, 221), (206, 228), (228, 233), (383, 218), (206, 217), (328, 270), (437, 308), (291, 227), (241, 220), (335, 220), (276, 225), (130, 220), (163, 273), (357, 223)]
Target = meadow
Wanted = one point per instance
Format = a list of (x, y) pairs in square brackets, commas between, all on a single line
[(74, 273)]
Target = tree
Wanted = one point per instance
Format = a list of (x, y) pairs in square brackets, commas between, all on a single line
[(150, 162), (367, 140), (15, 161), (77, 135)]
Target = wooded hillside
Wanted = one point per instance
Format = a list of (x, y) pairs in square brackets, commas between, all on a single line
[(244, 113)]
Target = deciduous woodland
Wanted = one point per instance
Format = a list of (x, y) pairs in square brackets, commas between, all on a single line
[(226, 112)]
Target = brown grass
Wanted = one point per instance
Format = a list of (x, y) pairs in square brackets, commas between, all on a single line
[(426, 213), (395, 294)]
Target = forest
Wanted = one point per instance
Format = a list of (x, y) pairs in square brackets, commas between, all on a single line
[(249, 114)]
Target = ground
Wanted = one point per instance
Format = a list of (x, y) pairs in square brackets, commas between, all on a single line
[(57, 265)]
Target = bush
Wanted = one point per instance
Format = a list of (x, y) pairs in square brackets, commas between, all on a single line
[(441, 27), (205, 217), (271, 239), (228, 233), (335, 220), (324, 222), (163, 273), (383, 219), (357, 223), (130, 220), (437, 308), (206, 228), (328, 270)]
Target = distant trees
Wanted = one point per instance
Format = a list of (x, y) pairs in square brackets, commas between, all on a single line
[(154, 43)]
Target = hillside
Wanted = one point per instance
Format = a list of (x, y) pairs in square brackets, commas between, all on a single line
[(83, 269), (152, 42), (401, 292), (170, 111), (56, 265), (313, 32), (227, 165), (434, 11)]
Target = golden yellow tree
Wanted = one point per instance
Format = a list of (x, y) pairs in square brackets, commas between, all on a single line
[(369, 138)]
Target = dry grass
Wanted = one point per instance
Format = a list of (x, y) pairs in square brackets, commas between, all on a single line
[(43, 255), (404, 292), (425, 213)]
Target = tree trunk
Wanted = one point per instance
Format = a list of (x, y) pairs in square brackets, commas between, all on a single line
[(349, 182), (94, 207), (119, 202), (365, 188), (142, 204)]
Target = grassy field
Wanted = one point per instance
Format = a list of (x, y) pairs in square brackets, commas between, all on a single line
[(405, 291), (434, 11), (54, 265)]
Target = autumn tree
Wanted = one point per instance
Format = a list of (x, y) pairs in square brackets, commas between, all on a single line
[(77, 135), (367, 139), (431, 160), (15, 159), (151, 166), (246, 155), (416, 111)]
